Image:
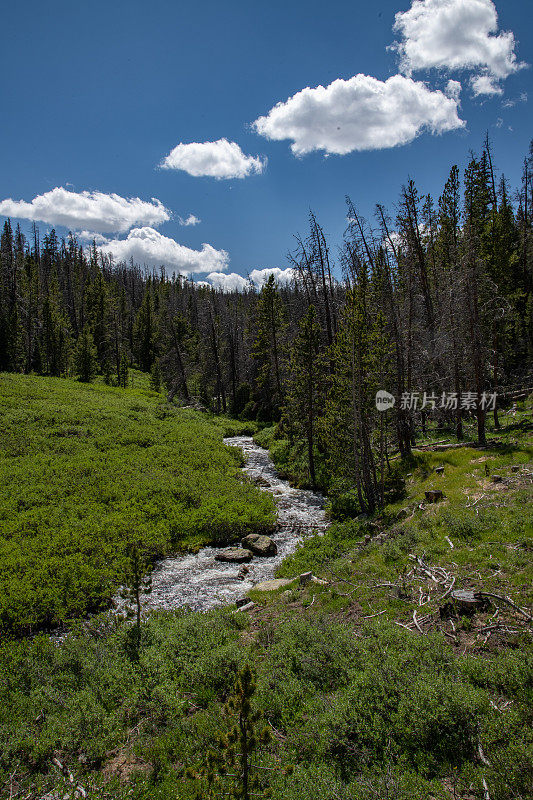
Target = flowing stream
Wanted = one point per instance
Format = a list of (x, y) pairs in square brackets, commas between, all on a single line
[(200, 582)]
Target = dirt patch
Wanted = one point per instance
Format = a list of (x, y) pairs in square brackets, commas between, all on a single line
[(122, 767)]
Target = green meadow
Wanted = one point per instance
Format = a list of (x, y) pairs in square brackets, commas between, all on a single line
[(85, 470), (361, 704)]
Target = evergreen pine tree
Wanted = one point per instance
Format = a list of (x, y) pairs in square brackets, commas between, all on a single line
[(231, 771), (137, 582), (155, 376), (85, 358), (267, 348), (123, 375), (145, 332), (305, 384)]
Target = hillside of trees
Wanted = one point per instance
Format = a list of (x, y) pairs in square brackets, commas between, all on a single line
[(434, 298)]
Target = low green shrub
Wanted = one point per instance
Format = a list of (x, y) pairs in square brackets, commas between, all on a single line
[(85, 470)]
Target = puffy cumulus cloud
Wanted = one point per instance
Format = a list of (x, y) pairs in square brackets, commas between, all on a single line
[(190, 220), (485, 84), (283, 276), (227, 283), (149, 247), (89, 236), (93, 211), (453, 89), (220, 159), (233, 282), (455, 34), (362, 113)]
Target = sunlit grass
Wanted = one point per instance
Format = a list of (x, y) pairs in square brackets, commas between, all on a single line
[(87, 468)]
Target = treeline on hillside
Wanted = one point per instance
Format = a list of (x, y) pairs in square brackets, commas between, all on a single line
[(437, 299)]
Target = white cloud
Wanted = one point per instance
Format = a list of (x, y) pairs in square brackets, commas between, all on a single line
[(228, 283), (456, 34), (147, 246), (89, 236), (485, 84), (522, 98), (362, 113), (391, 242), (93, 211), (220, 159), (453, 89), (282, 276), (190, 220), (233, 282)]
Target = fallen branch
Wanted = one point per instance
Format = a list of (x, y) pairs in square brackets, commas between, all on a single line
[(416, 622), (407, 628), (471, 505), (278, 734), (489, 627), (508, 601), (481, 755), (448, 590), (439, 447), (337, 577), (454, 639)]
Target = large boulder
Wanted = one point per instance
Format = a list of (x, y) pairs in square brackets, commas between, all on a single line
[(237, 555), (260, 545)]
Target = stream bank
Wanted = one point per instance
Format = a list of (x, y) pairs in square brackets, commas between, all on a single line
[(199, 582)]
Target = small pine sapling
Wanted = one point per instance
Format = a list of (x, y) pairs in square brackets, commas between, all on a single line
[(232, 770), (137, 582)]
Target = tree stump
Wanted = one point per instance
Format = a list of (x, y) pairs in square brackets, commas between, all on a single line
[(468, 602), (434, 495)]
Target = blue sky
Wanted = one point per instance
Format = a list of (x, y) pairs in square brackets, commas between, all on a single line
[(96, 96)]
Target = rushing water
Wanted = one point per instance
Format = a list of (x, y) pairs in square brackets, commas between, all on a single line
[(200, 582)]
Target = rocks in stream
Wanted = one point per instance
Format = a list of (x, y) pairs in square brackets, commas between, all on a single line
[(260, 545), (236, 555), (200, 582)]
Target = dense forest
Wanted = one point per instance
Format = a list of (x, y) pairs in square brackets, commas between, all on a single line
[(433, 304)]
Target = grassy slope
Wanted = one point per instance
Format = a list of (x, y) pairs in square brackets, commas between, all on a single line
[(84, 469), (362, 708), (481, 533)]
